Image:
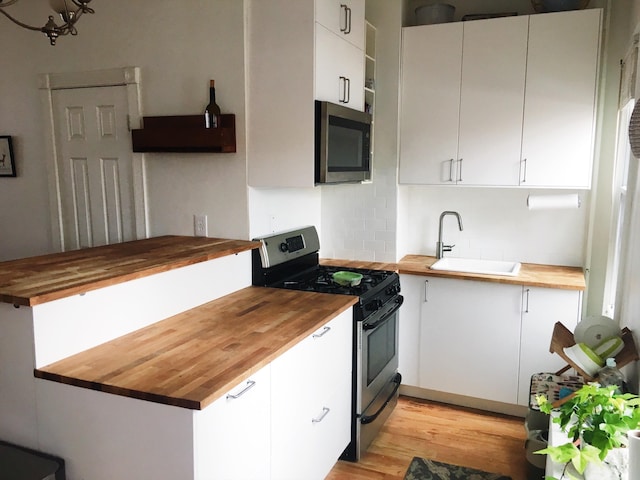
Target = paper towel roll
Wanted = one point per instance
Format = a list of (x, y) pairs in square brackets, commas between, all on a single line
[(548, 202), (634, 453)]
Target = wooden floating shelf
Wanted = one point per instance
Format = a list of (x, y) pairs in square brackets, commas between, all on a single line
[(185, 133), (563, 338)]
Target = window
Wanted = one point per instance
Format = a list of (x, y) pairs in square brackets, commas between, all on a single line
[(620, 201)]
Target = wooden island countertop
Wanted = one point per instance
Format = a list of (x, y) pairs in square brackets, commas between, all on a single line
[(193, 358), (35, 280), (549, 276)]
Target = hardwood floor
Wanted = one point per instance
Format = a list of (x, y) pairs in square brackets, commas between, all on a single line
[(456, 435)]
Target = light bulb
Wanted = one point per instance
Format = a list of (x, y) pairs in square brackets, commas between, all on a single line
[(61, 8)]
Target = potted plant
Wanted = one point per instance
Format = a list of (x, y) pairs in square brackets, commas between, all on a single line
[(596, 419)]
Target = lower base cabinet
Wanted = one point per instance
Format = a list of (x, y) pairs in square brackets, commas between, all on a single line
[(232, 436), (310, 403), (289, 420), (480, 339), (542, 308)]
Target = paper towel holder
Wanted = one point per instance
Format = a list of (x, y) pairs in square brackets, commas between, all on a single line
[(558, 201)]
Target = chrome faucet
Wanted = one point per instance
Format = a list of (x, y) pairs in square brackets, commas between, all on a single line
[(440, 248)]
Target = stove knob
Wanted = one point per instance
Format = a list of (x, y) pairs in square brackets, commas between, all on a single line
[(284, 247), (393, 289), (374, 305)]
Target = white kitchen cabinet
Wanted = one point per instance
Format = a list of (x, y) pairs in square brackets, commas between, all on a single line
[(480, 339), (293, 60), (542, 308), (345, 18), (234, 428), (459, 121), (491, 92), (413, 287), (560, 99), (470, 338), (500, 102), (311, 400), (430, 103), (339, 70)]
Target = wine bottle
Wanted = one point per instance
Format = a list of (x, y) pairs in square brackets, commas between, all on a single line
[(212, 110)]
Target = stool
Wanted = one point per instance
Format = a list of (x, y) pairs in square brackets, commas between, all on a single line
[(21, 463)]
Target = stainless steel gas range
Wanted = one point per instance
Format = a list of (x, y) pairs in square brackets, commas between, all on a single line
[(290, 260)]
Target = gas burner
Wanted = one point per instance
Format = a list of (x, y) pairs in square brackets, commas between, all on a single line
[(321, 280)]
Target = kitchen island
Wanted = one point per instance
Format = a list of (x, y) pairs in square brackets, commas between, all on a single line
[(143, 351)]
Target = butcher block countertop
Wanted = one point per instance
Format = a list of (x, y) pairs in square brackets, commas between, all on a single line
[(193, 358), (531, 274), (35, 280), (335, 262)]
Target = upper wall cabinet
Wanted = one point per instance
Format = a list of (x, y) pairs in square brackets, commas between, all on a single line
[(345, 18), (510, 101), (560, 99), (298, 51)]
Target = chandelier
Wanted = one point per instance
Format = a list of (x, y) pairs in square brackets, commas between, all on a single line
[(69, 11)]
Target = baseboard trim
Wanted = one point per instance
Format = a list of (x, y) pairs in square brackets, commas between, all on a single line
[(464, 401)]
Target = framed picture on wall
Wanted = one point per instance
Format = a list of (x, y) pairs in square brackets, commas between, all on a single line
[(7, 163)]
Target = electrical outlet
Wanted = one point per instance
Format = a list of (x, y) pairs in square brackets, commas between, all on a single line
[(200, 225)]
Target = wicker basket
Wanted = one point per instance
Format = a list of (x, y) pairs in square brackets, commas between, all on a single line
[(545, 6)]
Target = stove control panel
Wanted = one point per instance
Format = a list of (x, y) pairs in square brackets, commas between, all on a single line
[(283, 247), (292, 244)]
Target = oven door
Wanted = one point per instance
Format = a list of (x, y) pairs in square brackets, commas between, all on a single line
[(379, 378), (379, 352)]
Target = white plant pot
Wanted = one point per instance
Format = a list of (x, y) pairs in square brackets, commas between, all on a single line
[(614, 467)]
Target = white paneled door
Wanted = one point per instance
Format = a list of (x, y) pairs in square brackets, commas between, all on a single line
[(94, 166)]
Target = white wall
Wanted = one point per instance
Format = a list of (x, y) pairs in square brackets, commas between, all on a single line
[(279, 209), (179, 47)]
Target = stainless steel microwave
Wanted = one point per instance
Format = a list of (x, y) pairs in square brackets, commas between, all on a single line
[(343, 144)]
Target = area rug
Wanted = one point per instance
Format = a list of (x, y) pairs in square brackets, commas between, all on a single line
[(423, 469)]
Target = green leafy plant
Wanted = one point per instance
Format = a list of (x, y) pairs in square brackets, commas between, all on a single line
[(596, 419)]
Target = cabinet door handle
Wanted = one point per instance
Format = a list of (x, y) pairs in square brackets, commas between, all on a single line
[(426, 291), (526, 300), (460, 169), (250, 385), (343, 89), (347, 19), (524, 170), (451, 170), (348, 90), (320, 417), (325, 330)]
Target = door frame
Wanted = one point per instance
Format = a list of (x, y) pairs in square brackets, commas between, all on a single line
[(129, 77)]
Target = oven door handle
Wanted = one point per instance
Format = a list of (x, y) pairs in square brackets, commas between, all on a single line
[(372, 326), (365, 419)]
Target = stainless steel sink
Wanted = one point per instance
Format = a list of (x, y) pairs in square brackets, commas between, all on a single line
[(474, 265)]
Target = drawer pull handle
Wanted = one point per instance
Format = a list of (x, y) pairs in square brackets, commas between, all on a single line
[(320, 417), (325, 330), (250, 385)]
